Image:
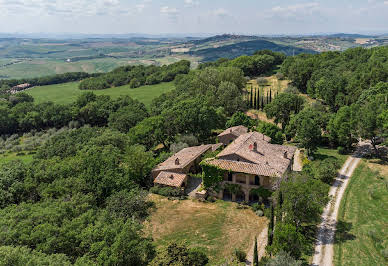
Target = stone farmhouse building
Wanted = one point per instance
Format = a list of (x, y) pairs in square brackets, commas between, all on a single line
[(176, 169), (231, 134), (252, 161)]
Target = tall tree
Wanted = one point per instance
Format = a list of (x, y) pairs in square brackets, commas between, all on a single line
[(255, 105), (282, 107)]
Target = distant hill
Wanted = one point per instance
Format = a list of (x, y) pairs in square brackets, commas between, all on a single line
[(348, 35), (222, 38), (245, 48)]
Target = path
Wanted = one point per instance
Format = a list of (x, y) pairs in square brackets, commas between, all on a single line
[(261, 244), (298, 164), (326, 230), (193, 184)]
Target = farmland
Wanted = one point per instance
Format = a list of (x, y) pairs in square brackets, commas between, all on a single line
[(363, 217), (216, 228), (68, 92)]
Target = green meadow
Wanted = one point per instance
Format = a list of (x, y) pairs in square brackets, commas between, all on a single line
[(68, 92)]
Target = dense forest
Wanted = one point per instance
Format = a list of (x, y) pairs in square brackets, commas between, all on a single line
[(83, 198)]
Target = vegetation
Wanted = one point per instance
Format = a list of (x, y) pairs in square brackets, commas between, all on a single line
[(209, 227), (67, 93), (135, 76), (362, 218)]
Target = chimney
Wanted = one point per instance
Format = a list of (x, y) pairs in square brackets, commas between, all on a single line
[(255, 146), (250, 147), (285, 155), (231, 130), (177, 161), (171, 176)]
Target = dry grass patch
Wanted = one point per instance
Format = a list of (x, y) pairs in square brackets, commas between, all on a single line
[(216, 228), (273, 83)]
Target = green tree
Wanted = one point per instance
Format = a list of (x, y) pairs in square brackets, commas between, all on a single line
[(303, 200), (179, 254), (240, 119), (255, 254), (342, 127), (287, 238), (283, 107)]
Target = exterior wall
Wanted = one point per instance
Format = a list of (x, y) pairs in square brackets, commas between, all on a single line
[(247, 183)]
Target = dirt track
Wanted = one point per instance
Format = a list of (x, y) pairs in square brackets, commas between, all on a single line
[(326, 231)]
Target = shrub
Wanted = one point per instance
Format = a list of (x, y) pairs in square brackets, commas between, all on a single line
[(262, 81), (341, 150), (280, 76), (240, 255), (167, 191), (260, 213)]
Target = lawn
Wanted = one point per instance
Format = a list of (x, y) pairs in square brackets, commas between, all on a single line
[(216, 228), (362, 231), (7, 157), (68, 92)]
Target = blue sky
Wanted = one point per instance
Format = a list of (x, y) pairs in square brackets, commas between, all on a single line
[(193, 16)]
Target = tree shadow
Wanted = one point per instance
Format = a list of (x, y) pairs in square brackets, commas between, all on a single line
[(342, 232), (310, 233)]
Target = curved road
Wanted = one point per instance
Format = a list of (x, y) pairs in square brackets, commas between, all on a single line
[(326, 230)]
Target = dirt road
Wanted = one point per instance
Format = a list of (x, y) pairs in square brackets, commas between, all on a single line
[(261, 244), (326, 231)]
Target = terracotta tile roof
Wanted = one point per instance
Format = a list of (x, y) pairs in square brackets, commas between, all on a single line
[(237, 131), (243, 167), (170, 179), (185, 157), (277, 157)]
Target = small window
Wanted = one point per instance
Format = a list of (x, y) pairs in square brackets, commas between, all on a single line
[(257, 180)]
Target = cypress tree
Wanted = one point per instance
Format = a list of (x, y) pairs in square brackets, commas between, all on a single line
[(254, 105), (258, 99), (251, 101), (271, 226), (255, 255), (267, 98), (270, 95)]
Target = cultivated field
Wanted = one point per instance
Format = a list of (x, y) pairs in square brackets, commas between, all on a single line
[(68, 92), (216, 228), (362, 230)]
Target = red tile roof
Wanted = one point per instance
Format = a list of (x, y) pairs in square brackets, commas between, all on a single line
[(236, 131), (277, 157), (170, 179), (185, 157), (243, 167)]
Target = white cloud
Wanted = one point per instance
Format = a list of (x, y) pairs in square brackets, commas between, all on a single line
[(191, 3), (221, 12), (67, 8), (386, 3), (171, 12)]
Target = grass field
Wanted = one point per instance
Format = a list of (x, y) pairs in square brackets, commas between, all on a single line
[(68, 92), (216, 228), (362, 230), (7, 157)]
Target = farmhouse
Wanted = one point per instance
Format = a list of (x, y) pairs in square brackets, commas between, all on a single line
[(231, 134), (251, 162), (175, 170)]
